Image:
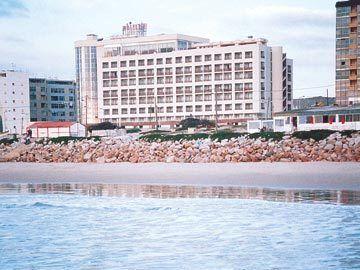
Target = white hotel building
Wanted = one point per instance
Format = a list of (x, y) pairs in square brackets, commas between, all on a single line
[(14, 102), (136, 80)]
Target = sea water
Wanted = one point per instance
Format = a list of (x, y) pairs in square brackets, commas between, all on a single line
[(62, 231)]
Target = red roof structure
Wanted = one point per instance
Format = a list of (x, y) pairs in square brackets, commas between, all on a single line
[(51, 124)]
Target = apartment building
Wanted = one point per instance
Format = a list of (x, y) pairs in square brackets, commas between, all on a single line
[(347, 57), (53, 100), (14, 102), (162, 79)]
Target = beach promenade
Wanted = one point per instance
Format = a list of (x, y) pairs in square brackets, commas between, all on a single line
[(316, 175)]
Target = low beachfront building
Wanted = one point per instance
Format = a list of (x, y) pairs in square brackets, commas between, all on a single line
[(138, 80), (14, 102), (57, 129), (332, 118)]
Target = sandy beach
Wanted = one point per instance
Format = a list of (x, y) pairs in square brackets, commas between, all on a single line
[(317, 175)]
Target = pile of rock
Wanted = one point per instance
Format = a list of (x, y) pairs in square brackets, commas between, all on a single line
[(109, 150)]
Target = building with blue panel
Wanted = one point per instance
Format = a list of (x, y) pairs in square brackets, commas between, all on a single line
[(52, 100)]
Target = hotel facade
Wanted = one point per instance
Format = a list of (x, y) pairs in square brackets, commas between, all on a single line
[(160, 80), (347, 56)]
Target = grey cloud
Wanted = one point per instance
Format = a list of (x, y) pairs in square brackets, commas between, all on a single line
[(9, 8)]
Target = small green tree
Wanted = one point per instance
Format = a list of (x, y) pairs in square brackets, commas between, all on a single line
[(195, 123)]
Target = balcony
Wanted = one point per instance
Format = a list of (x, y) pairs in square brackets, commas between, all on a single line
[(353, 14), (353, 24), (353, 66), (353, 77)]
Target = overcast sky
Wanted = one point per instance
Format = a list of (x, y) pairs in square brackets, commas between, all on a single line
[(38, 35)]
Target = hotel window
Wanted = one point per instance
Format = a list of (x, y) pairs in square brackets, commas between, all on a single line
[(227, 56), (262, 74), (159, 61), (106, 83), (238, 106), (168, 60), (228, 107), (262, 54), (169, 109), (248, 55), (198, 108), (178, 60), (249, 75), (123, 74), (114, 93), (227, 76), (248, 106), (123, 64), (188, 98), (198, 58), (248, 95), (239, 96), (217, 57), (188, 78), (141, 110), (239, 75), (248, 86), (248, 65), (238, 55), (105, 65), (179, 109), (188, 59), (263, 106), (180, 99), (132, 63), (113, 64), (207, 97), (133, 111), (115, 111), (199, 98), (189, 108), (262, 65), (150, 62), (208, 108), (106, 102), (208, 57), (141, 62), (107, 112)]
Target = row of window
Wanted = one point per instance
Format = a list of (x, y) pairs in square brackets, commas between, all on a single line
[(329, 119), (186, 98), (248, 75), (181, 59), (179, 109), (224, 115), (181, 90), (181, 70)]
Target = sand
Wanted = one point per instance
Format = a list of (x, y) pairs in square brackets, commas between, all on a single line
[(317, 175)]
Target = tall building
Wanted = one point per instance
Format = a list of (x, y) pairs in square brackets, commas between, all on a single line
[(52, 100), (86, 79), (347, 58), (142, 80), (14, 102)]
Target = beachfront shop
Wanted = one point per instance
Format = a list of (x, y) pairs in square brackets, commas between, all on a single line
[(333, 118), (56, 129)]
